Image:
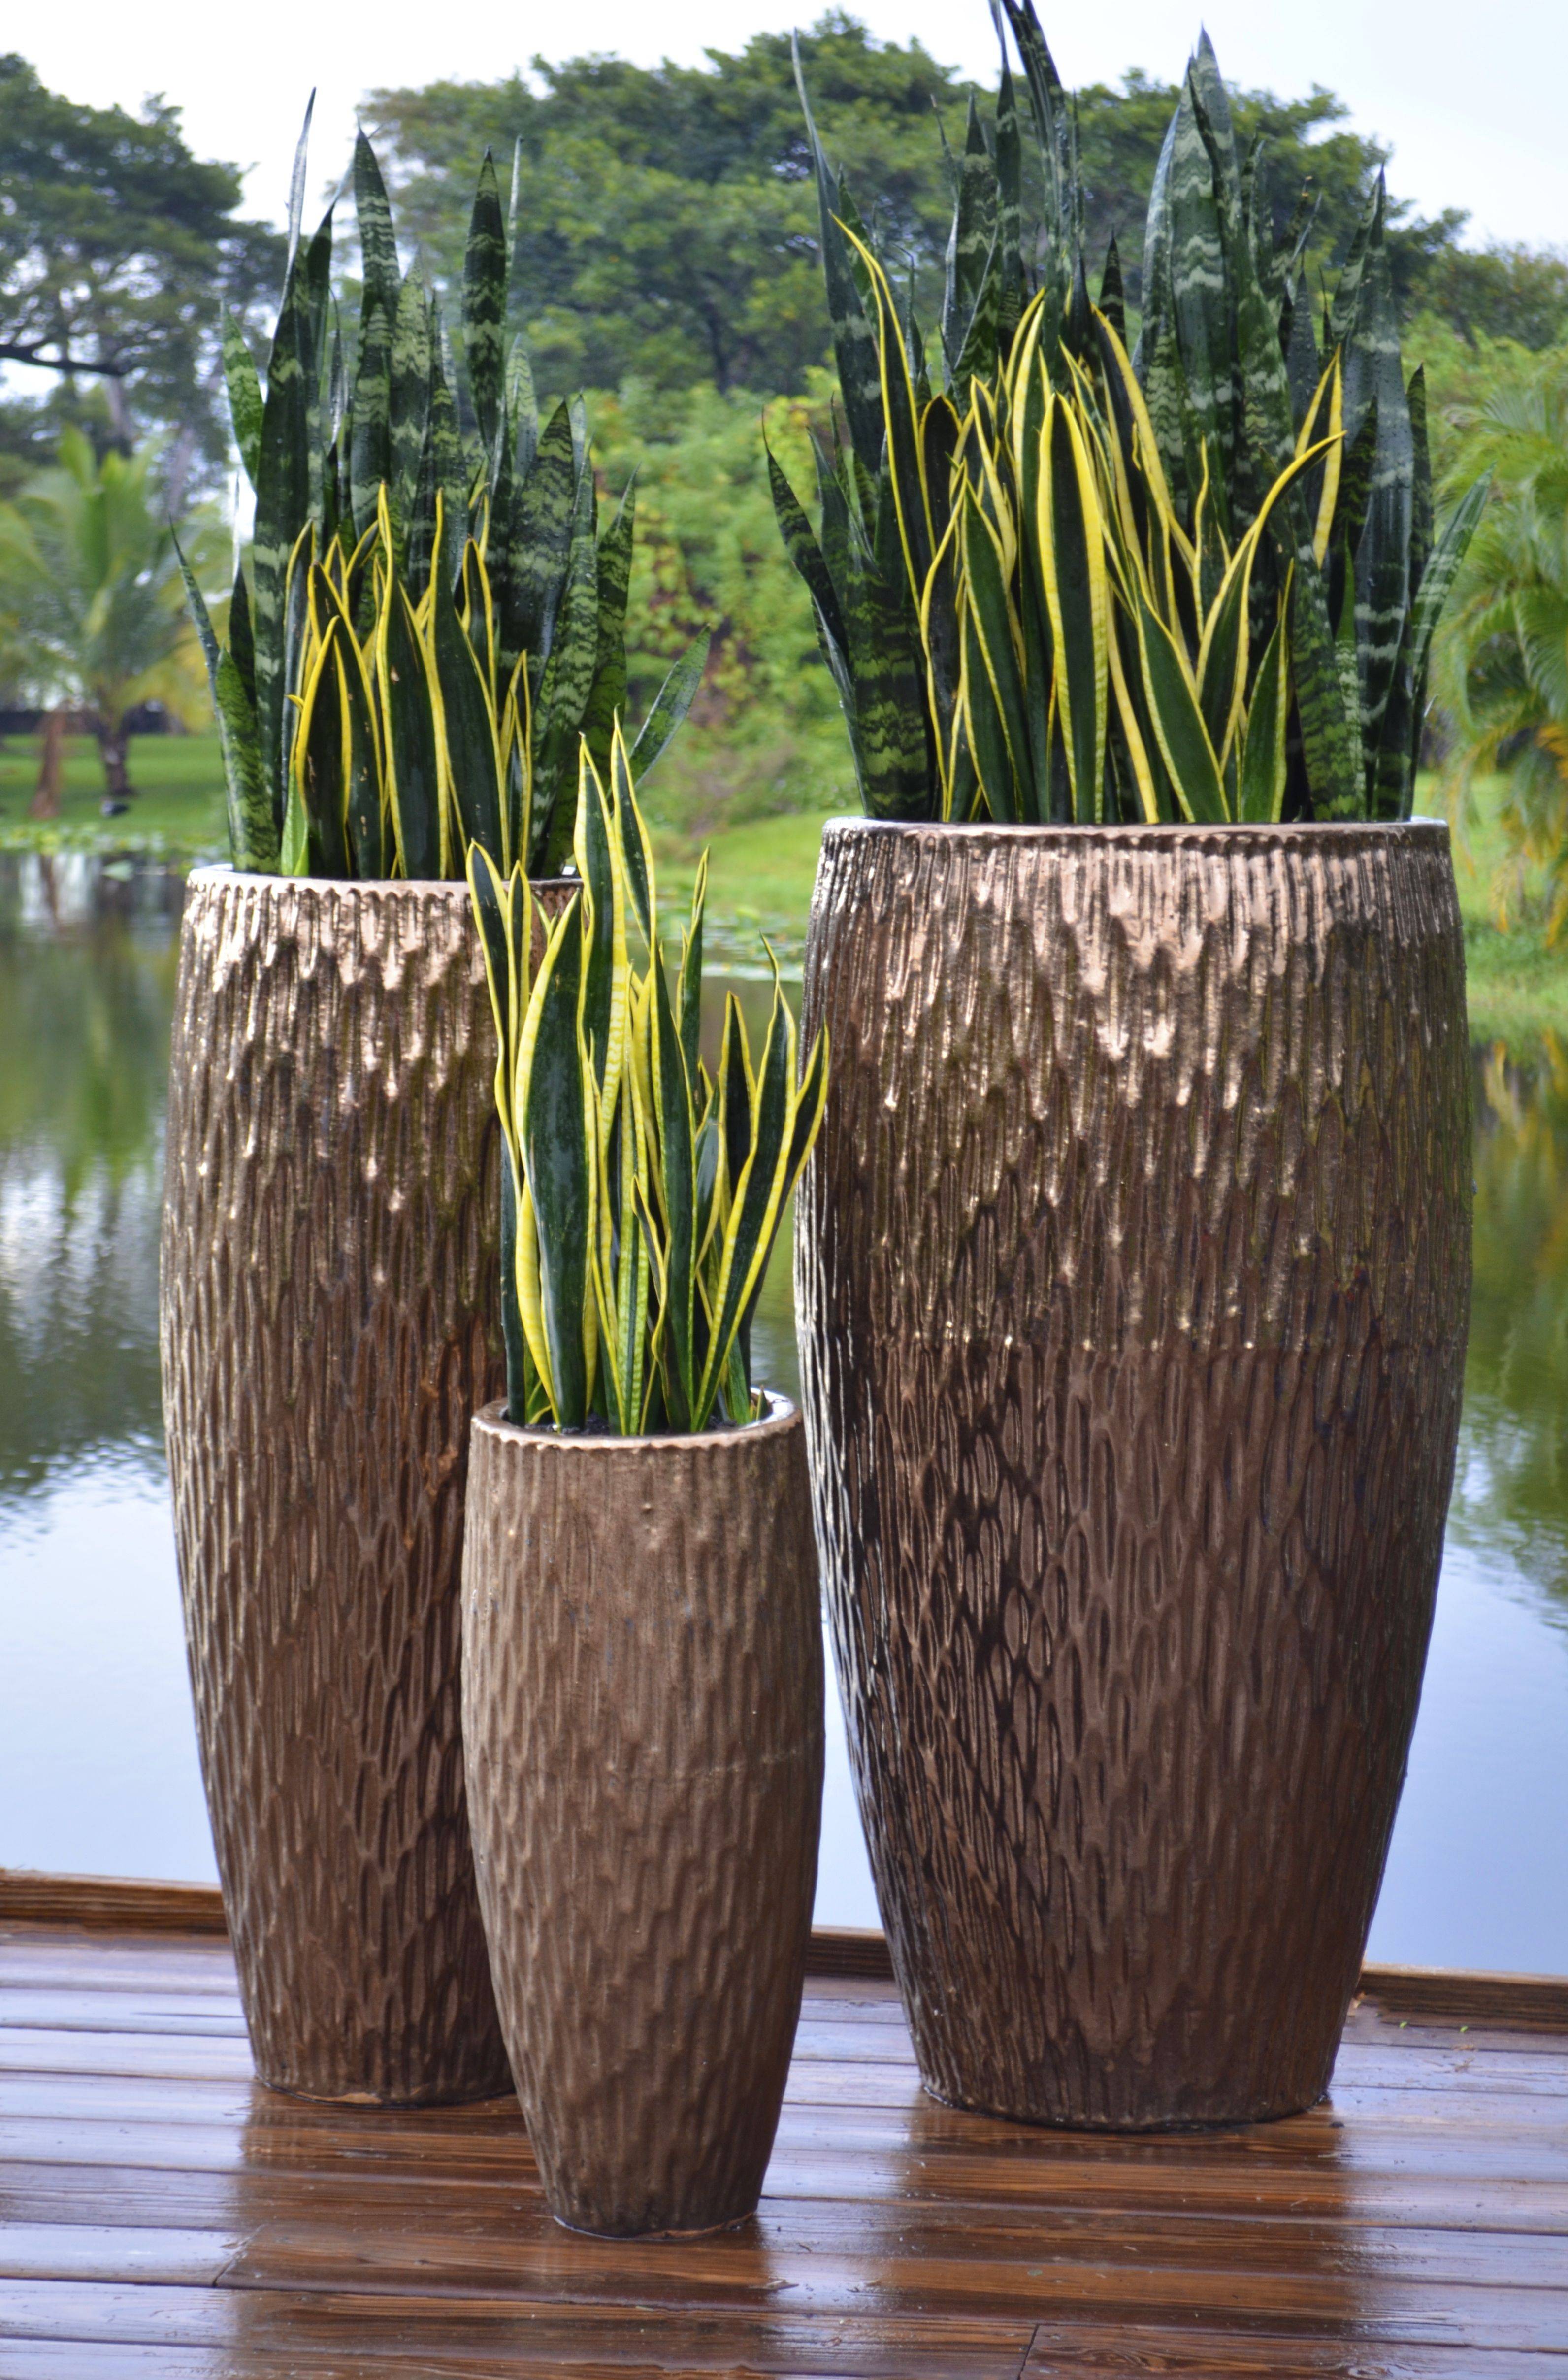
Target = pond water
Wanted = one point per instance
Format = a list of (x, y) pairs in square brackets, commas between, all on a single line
[(98, 1768)]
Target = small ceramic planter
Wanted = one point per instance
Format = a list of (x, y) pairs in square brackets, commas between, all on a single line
[(643, 1717)]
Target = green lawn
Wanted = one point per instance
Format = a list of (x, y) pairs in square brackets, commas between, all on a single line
[(759, 879), (759, 874), (177, 812)]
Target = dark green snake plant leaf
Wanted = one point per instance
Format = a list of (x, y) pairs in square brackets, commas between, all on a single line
[(253, 830), (370, 448), (484, 302), (541, 541), (415, 774), (671, 703), (555, 1129), (380, 274), (408, 394), (607, 695), (283, 509), (244, 395)]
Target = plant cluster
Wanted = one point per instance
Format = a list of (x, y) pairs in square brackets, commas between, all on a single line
[(408, 508), (1052, 582), (641, 1196)]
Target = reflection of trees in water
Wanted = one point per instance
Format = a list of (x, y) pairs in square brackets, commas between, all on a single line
[(87, 970), (86, 992), (1513, 1451)]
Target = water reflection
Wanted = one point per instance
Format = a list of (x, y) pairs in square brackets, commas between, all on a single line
[(1511, 1485), (97, 1756), (86, 988)]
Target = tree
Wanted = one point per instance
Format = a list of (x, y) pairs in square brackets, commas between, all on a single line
[(665, 226), (1504, 653), (88, 562), (116, 246), (1498, 293), (765, 733)]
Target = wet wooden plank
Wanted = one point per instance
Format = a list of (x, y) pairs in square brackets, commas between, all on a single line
[(963, 2192), (92, 2251), (165, 2054), (40, 1957), (81, 2010), (1125, 2354), (1131, 2352), (819, 2155), (571, 2340), (839, 2254), (640, 2359)]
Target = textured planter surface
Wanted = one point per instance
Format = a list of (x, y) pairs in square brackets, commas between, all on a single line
[(328, 1325), (642, 1714), (1133, 1275)]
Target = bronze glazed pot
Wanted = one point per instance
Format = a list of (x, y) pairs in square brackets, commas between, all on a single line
[(1133, 1281), (642, 1720), (330, 1322)]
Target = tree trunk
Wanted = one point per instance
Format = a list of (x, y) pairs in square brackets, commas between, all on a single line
[(113, 750), (45, 802)]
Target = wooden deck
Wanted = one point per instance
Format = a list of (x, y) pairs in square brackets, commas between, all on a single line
[(163, 2216)]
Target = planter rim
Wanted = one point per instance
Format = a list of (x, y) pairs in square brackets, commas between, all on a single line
[(782, 1417), (210, 869), (1286, 831)]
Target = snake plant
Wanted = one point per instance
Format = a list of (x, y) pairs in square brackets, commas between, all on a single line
[(1231, 531), (641, 1198), (395, 491)]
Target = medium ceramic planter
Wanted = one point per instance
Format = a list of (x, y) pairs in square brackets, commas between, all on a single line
[(1132, 1278), (328, 1325), (643, 1718)]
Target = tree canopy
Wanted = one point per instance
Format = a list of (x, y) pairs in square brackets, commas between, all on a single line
[(117, 247), (666, 223), (667, 227)]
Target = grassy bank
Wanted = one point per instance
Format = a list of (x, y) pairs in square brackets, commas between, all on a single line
[(759, 872), (1517, 987), (177, 812), (759, 879)]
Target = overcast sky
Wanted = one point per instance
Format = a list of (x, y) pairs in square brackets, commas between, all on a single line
[(1471, 98)]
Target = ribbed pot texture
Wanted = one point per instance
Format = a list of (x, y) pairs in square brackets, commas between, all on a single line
[(643, 1718), (1133, 1281), (330, 1322)]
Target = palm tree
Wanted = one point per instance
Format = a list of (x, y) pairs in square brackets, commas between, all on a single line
[(89, 568), (1504, 666)]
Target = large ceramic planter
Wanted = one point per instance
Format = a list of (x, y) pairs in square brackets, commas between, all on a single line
[(329, 1326), (1132, 1274), (643, 1718)]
